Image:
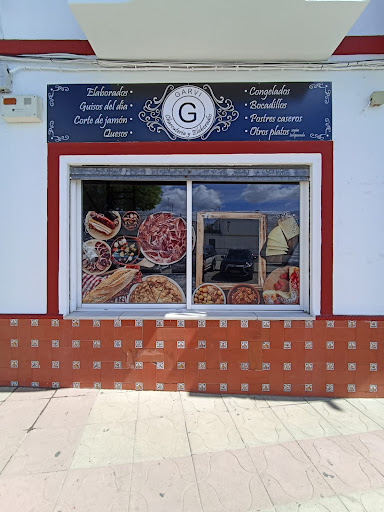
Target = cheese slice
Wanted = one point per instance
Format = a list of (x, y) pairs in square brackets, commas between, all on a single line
[(277, 235), (274, 252), (271, 244), (289, 227)]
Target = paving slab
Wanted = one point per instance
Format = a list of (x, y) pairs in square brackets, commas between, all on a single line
[(114, 405), (367, 501), (194, 403), (17, 416), (66, 412), (158, 403), (5, 393), (234, 403), (31, 394), (370, 407), (328, 504)]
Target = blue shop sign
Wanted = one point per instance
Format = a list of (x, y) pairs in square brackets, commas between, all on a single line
[(263, 111)]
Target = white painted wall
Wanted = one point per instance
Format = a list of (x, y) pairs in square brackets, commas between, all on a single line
[(358, 170)]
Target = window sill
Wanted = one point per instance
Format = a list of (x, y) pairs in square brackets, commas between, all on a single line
[(188, 315)]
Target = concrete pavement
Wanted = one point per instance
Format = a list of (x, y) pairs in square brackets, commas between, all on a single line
[(113, 451)]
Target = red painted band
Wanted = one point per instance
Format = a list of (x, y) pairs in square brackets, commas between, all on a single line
[(361, 45)]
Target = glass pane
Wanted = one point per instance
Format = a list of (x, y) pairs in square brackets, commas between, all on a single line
[(134, 235), (247, 245)]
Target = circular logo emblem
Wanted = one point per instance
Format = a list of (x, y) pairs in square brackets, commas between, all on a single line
[(188, 112)]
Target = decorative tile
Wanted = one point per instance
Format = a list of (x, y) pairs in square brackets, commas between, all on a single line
[(75, 323), (330, 366), (180, 386), (55, 385), (287, 366), (308, 345), (35, 364), (244, 366), (118, 385), (181, 344), (55, 364), (55, 323), (14, 343), (286, 388), (265, 324), (308, 387), (351, 388), (202, 366), (34, 343), (373, 345), (14, 383), (14, 363), (97, 385), (34, 384), (97, 365), (351, 367), (138, 322), (265, 387), (330, 323), (329, 388), (181, 365), (34, 322), (138, 343), (287, 324), (96, 343), (223, 323), (223, 366), (330, 345), (138, 365), (223, 386), (55, 343), (138, 386), (96, 323), (223, 344), (159, 323), (117, 323), (308, 324), (201, 344), (117, 365), (76, 365), (75, 343), (76, 385), (308, 367), (13, 322), (202, 386), (159, 344), (287, 345), (352, 345), (117, 343), (244, 323), (266, 366), (373, 388), (244, 387), (373, 367), (160, 365), (351, 323), (373, 324), (159, 386), (266, 345), (180, 323), (201, 323), (244, 344)]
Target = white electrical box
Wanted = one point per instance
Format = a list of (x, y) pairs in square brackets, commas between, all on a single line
[(22, 109)]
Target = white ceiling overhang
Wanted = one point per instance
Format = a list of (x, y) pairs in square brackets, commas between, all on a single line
[(216, 30)]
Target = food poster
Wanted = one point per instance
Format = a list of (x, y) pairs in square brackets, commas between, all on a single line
[(248, 235), (133, 236)]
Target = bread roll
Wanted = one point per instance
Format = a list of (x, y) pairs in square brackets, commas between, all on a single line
[(110, 286)]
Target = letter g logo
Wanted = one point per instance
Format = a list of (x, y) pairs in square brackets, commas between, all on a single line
[(192, 115)]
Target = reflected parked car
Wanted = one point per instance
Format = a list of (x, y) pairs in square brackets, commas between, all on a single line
[(209, 257), (238, 261)]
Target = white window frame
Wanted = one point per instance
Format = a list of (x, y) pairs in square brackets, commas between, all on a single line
[(70, 211)]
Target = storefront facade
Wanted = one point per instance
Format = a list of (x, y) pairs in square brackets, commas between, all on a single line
[(204, 230)]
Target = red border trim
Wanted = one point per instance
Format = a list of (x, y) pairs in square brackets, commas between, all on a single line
[(350, 45), (55, 150)]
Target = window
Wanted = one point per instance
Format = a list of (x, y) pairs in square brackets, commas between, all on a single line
[(198, 238)]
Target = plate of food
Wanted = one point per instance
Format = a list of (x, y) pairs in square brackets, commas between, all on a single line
[(208, 293), (103, 226), (163, 238), (109, 287), (156, 289), (131, 220), (125, 250), (244, 294), (282, 286), (96, 257)]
